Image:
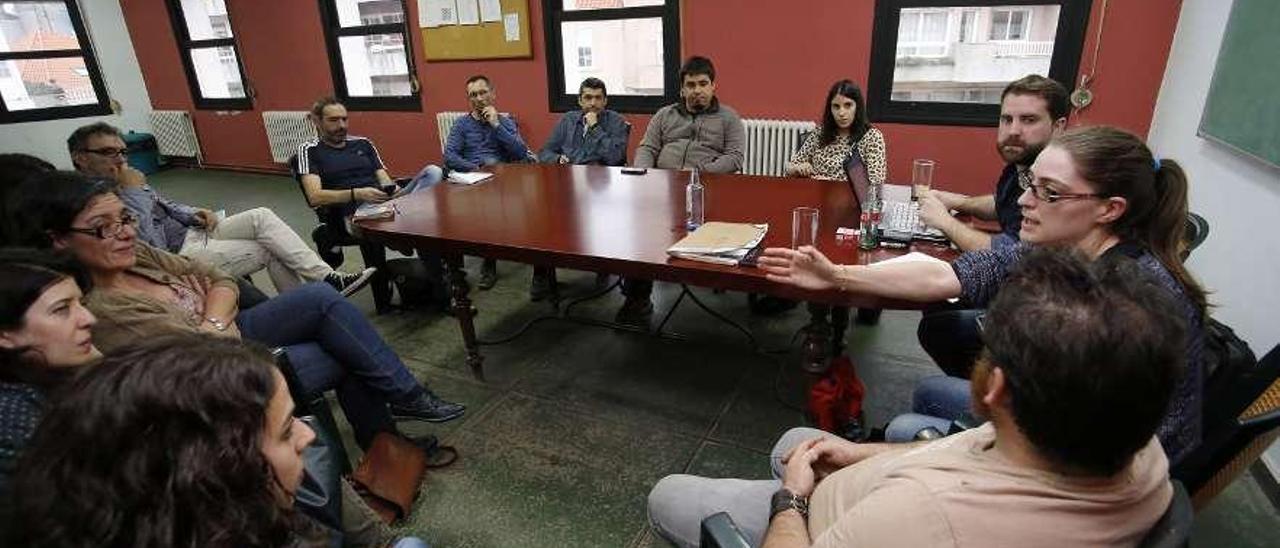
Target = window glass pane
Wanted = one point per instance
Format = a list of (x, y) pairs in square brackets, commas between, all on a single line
[(375, 65), (35, 26), (576, 5), (206, 19), (356, 13), (42, 83), (988, 48), (217, 72), (625, 53)]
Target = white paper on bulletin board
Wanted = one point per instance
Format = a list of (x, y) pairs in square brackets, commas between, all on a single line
[(437, 13), (468, 12), (511, 26), (490, 11)]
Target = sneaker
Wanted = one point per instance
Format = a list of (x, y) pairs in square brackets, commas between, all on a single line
[(635, 312), (488, 275), (346, 284), (428, 407)]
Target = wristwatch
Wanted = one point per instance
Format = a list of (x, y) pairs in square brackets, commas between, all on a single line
[(784, 499), (216, 323)]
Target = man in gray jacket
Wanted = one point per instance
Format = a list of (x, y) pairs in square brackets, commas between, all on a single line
[(697, 133)]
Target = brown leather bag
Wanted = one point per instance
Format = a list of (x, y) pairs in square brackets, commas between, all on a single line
[(389, 474)]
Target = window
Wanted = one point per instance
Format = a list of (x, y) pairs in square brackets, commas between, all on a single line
[(47, 67), (371, 54), (631, 45), (1009, 24), (209, 54), (936, 62)]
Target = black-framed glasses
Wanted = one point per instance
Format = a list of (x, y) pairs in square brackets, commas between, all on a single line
[(107, 152), (1042, 192), (108, 230)]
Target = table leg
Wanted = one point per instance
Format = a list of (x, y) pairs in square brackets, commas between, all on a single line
[(839, 324), (465, 314), (817, 339)]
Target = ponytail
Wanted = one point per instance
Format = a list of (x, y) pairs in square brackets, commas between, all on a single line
[(1117, 163), (1165, 232)]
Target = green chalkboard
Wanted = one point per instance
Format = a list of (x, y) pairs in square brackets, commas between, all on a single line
[(1243, 109)]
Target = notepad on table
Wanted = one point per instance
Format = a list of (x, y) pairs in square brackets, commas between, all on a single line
[(373, 212), (720, 243), (468, 177)]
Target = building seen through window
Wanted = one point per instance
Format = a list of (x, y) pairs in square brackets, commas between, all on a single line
[(968, 54)]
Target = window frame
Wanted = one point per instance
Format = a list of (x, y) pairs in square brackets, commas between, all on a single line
[(1073, 22), (334, 31), (186, 45), (85, 52), (553, 14)]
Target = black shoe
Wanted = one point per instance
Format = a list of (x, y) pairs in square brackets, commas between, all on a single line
[(346, 284), (635, 312), (539, 286), (488, 276), (428, 407)]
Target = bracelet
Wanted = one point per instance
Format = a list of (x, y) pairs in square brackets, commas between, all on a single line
[(216, 323)]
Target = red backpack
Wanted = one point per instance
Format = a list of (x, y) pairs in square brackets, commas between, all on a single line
[(835, 401)]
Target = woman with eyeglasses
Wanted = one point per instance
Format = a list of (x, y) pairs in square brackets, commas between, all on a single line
[(175, 441), (1097, 190), (140, 291)]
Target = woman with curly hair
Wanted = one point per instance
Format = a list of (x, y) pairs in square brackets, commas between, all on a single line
[(182, 441)]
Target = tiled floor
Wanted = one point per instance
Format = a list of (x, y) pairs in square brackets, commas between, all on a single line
[(574, 423)]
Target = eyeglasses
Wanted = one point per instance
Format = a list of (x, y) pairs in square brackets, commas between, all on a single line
[(107, 152), (108, 230), (1043, 193)]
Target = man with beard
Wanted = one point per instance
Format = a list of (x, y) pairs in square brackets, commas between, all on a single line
[(1068, 343), (1033, 109), (697, 133), (339, 172)]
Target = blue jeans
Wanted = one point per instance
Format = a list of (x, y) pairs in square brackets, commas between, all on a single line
[(333, 346), (950, 336), (411, 542), (936, 402)]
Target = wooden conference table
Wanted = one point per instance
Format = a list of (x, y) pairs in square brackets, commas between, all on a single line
[(596, 218)]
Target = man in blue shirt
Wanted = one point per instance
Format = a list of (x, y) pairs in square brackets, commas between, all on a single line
[(339, 172), (593, 135), (240, 244), (483, 138)]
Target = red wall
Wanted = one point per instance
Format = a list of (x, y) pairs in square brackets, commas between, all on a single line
[(773, 63)]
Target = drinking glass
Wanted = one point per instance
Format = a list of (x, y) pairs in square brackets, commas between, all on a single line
[(804, 226), (921, 177)]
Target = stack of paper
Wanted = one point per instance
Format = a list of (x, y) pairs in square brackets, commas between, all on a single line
[(468, 178), (371, 212), (720, 243)]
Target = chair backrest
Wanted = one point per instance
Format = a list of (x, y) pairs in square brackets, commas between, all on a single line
[(1197, 233), (1173, 529), (719, 531), (1230, 446)]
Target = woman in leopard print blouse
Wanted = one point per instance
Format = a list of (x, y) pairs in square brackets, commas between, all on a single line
[(844, 125)]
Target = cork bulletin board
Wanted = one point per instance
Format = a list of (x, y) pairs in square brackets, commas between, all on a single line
[(506, 38)]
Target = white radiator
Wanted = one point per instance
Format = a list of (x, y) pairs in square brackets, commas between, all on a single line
[(771, 143), (175, 134), (286, 130), (444, 121)]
